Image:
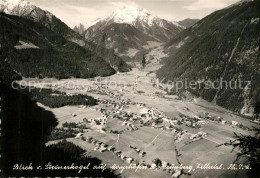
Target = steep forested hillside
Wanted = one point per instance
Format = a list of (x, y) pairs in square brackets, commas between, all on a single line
[(32, 50), (110, 56), (29, 11), (223, 45)]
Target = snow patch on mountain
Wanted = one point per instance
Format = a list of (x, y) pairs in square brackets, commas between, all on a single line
[(152, 44), (131, 52), (25, 45), (180, 44)]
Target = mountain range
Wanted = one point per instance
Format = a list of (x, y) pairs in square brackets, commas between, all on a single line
[(27, 10), (32, 50), (129, 31), (222, 46)]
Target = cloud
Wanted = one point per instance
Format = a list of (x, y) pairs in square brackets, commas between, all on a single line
[(209, 4)]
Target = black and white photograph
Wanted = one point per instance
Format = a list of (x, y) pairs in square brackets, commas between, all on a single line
[(130, 88)]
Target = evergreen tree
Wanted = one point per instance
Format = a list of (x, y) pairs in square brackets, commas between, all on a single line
[(143, 62), (249, 147)]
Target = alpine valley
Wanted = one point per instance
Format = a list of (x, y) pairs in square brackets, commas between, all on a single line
[(128, 95)]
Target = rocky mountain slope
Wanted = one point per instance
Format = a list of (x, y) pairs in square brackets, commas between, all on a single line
[(222, 46), (27, 10), (129, 31)]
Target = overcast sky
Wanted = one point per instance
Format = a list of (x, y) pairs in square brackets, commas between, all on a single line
[(74, 12)]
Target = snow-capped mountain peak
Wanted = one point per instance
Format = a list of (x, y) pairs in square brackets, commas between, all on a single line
[(13, 3), (25, 9), (139, 18), (19, 6), (130, 15)]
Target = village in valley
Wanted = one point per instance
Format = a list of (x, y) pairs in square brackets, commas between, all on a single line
[(141, 126)]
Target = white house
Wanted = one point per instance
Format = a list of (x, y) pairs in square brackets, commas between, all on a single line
[(202, 122), (96, 148), (129, 160), (153, 166), (177, 173), (234, 122), (79, 135), (223, 122), (123, 157), (164, 164)]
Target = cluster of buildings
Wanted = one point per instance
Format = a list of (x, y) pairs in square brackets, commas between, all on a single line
[(123, 116), (99, 120), (219, 119), (152, 116), (207, 116), (100, 146), (167, 166), (138, 151), (198, 136), (117, 105), (180, 135), (104, 91), (130, 126), (236, 124)]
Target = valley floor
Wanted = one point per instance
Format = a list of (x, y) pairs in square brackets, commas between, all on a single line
[(134, 116)]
